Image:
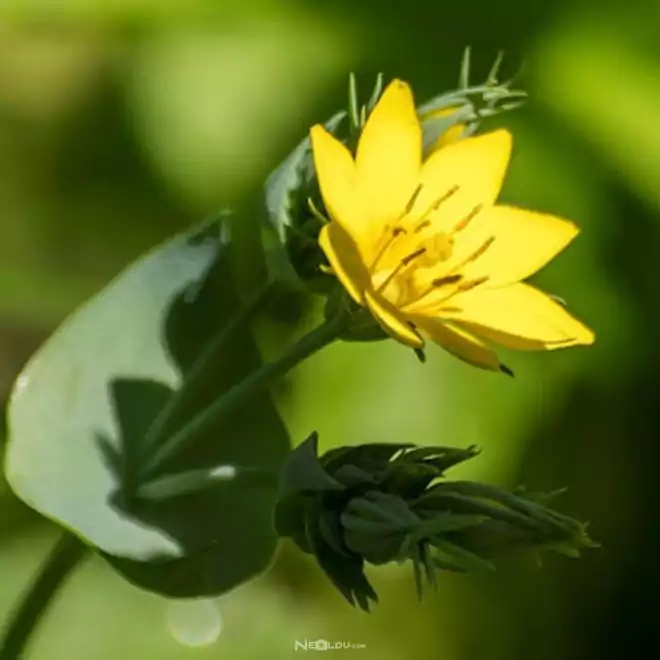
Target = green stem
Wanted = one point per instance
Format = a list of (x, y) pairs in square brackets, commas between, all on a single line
[(199, 372), (64, 557), (238, 395)]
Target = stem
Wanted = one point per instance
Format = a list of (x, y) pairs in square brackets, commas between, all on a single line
[(64, 557), (199, 371), (254, 384)]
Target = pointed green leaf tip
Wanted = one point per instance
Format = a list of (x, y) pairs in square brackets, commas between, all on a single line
[(469, 104), (378, 503)]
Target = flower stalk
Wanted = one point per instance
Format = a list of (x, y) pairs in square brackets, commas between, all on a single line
[(243, 392), (63, 559), (199, 372)]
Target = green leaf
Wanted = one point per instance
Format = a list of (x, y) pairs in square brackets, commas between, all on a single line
[(81, 408), (371, 457), (461, 557), (442, 458), (384, 507), (345, 572), (289, 519), (294, 173), (303, 471), (290, 234)]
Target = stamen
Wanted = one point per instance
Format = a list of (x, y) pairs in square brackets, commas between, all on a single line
[(443, 198), (467, 219), (433, 288), (454, 277), (421, 356), (406, 261), (505, 370), (396, 232), (412, 200), (422, 225), (409, 206), (449, 279), (434, 207), (412, 256), (480, 252), (471, 284)]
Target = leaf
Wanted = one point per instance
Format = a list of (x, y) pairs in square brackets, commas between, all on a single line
[(289, 519), (442, 458), (303, 472), (370, 456), (290, 245), (461, 557), (291, 175), (383, 507), (81, 409), (345, 572)]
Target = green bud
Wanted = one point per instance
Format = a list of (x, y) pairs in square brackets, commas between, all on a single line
[(381, 503), (457, 114), (360, 325)]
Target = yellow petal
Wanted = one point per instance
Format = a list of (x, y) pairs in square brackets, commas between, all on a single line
[(517, 316), (462, 177), (460, 343), (392, 320), (337, 178), (343, 255), (389, 153), (525, 241)]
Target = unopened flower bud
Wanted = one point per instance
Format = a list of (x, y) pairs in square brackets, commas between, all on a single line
[(380, 503)]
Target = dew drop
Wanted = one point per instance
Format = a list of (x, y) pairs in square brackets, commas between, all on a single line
[(194, 623)]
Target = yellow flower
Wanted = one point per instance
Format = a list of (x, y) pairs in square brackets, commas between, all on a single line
[(424, 247)]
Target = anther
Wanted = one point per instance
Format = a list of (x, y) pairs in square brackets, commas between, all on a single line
[(449, 279), (412, 256), (478, 253), (505, 370), (406, 261), (396, 231), (412, 200), (471, 284), (452, 191), (443, 198), (422, 225), (468, 218), (421, 356)]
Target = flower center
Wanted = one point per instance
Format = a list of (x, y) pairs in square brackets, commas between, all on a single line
[(409, 252)]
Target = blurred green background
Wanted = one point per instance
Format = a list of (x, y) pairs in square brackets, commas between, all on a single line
[(123, 121)]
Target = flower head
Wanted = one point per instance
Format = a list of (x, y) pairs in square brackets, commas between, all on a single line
[(424, 247)]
